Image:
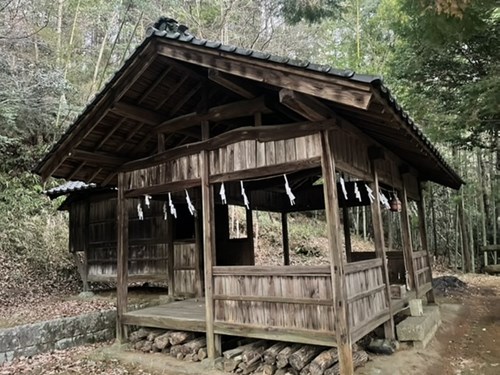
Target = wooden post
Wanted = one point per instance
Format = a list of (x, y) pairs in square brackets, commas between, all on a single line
[(122, 260), (342, 329), (406, 238), (171, 255), (249, 217), (284, 233), (347, 233), (207, 194), (198, 256), (378, 234), (423, 238)]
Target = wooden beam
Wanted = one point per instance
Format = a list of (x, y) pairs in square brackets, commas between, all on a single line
[(231, 83), (156, 83), (378, 234), (342, 329), (307, 106), (137, 113), (318, 84), (270, 170), (207, 194), (99, 158), (86, 123), (261, 133), (185, 98), (284, 231), (171, 92), (122, 261), (223, 112), (76, 171), (159, 189)]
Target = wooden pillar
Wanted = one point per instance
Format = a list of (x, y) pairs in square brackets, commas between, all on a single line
[(122, 260), (423, 238), (406, 237), (198, 256), (378, 234), (249, 219), (286, 244), (171, 256), (342, 329), (347, 233), (207, 194)]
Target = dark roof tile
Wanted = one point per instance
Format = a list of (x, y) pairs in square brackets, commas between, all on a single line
[(298, 63), (227, 48), (260, 55), (68, 187), (243, 51)]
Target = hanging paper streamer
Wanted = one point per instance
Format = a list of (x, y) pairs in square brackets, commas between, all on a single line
[(383, 200), (165, 211), (342, 185), (370, 193), (140, 213), (222, 193), (191, 208), (147, 200), (173, 211), (289, 191), (357, 193), (245, 199)]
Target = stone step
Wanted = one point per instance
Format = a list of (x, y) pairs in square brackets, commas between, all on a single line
[(420, 329)]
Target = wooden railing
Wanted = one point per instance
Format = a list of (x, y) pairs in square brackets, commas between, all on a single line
[(423, 272), (295, 303), (290, 303), (368, 304)]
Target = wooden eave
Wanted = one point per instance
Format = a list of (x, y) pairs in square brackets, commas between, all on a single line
[(171, 84)]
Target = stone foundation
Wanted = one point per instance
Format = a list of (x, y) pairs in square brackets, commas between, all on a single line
[(31, 339)]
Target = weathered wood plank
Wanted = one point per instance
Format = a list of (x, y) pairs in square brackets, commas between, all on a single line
[(342, 333), (122, 261), (290, 79)]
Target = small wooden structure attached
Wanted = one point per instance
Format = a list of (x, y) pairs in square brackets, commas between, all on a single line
[(187, 118), (92, 237)]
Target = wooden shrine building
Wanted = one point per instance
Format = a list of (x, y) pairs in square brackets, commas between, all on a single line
[(185, 118)]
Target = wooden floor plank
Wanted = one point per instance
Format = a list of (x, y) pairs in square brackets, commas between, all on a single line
[(187, 315)]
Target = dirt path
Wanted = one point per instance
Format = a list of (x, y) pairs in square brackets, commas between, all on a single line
[(468, 341)]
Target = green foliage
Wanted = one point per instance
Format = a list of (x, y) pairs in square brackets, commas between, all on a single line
[(33, 234), (311, 11), (445, 69)]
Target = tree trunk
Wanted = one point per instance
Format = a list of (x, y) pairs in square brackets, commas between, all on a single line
[(465, 237)]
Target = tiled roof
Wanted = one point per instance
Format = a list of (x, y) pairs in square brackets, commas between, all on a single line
[(170, 29), (69, 187)]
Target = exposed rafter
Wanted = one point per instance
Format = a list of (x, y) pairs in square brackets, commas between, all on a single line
[(317, 85), (307, 106), (87, 123), (231, 83), (98, 157), (137, 113), (223, 112)]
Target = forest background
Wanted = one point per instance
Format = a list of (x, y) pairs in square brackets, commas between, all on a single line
[(439, 57)]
